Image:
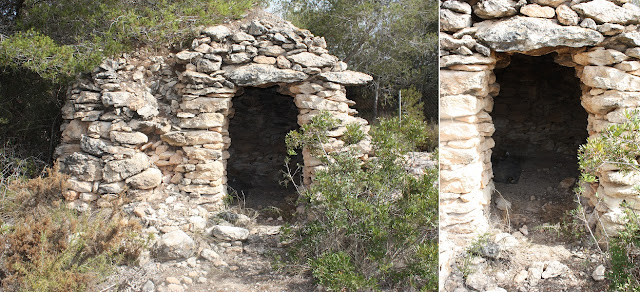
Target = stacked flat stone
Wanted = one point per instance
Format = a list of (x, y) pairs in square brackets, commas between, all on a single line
[(599, 38), (157, 127)]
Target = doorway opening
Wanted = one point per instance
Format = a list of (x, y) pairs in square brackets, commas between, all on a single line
[(540, 124), (261, 120)]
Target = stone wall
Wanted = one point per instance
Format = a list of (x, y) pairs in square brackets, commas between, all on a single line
[(599, 39), (154, 130)]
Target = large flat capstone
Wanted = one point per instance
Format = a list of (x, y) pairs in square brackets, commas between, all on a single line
[(261, 74), (522, 34)]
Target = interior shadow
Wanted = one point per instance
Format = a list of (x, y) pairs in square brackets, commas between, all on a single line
[(540, 124), (260, 123)]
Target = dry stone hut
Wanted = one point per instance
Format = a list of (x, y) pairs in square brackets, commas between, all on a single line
[(521, 78), (160, 130)]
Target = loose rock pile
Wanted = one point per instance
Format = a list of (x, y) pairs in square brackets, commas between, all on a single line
[(600, 39)]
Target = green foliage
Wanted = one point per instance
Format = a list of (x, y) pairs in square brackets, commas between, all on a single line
[(396, 41), (58, 39), (336, 272), (412, 103), (372, 220), (625, 260), (406, 135), (618, 145)]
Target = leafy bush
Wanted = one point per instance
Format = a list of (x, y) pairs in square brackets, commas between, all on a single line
[(58, 39), (370, 220), (408, 134), (625, 259), (618, 145), (44, 246)]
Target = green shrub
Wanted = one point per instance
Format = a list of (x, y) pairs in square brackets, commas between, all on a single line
[(624, 257), (618, 145), (371, 220), (408, 134), (336, 272), (58, 39)]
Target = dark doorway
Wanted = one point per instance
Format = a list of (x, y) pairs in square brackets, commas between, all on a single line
[(540, 124), (261, 121)]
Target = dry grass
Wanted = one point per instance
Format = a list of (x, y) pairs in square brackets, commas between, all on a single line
[(44, 246)]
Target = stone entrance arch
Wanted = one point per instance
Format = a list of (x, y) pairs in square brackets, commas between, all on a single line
[(599, 39), (155, 128)]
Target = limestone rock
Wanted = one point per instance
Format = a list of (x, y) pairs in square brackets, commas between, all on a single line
[(453, 21), (212, 171), (80, 186), (132, 138), (93, 146), (566, 15), (83, 166), (610, 29), (552, 3), (230, 233), (610, 100), (479, 281), (633, 52), (457, 6), (346, 77), (609, 78), (599, 57), (307, 59), (526, 33), (261, 74), (217, 33), (203, 121), (487, 9), (629, 38), (148, 179), (535, 10), (116, 99), (242, 36), (206, 104), (187, 56), (272, 51), (459, 106), (209, 254), (202, 153), (185, 138), (452, 60), (554, 269), (604, 11), (208, 66), (598, 273), (308, 101), (535, 273), (117, 170), (111, 188), (175, 245), (460, 82)]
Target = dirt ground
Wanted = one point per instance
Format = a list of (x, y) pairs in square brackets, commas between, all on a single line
[(534, 229)]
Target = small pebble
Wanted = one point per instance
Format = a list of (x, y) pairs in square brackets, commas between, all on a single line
[(187, 280)]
